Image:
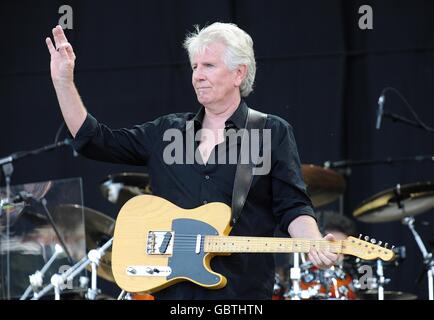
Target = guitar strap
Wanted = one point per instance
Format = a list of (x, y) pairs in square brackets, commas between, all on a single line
[(244, 171)]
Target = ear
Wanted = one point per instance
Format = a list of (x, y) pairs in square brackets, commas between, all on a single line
[(241, 73)]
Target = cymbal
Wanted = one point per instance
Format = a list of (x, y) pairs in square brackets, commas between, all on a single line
[(388, 295), (119, 188), (324, 185), (397, 203), (99, 229)]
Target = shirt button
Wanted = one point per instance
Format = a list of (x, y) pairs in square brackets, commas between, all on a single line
[(207, 177), (205, 202)]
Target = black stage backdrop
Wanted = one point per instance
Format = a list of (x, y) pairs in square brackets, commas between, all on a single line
[(316, 68)]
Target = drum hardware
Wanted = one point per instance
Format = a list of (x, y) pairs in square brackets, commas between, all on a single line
[(59, 280), (278, 289), (99, 229), (402, 203), (36, 279), (388, 295), (323, 185), (295, 275), (427, 256), (7, 166), (119, 188), (381, 280)]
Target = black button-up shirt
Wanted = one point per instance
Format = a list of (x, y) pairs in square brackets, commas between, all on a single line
[(274, 200)]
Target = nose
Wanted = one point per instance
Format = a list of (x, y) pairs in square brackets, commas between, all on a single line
[(198, 74)]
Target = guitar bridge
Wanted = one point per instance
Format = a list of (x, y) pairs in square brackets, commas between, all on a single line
[(160, 243)]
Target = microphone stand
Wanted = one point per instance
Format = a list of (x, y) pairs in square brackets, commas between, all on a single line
[(43, 202), (8, 169), (397, 118), (389, 161)]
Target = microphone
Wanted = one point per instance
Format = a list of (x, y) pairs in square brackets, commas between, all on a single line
[(380, 111), (68, 142)]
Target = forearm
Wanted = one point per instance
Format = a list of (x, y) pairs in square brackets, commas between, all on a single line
[(304, 227), (72, 107)]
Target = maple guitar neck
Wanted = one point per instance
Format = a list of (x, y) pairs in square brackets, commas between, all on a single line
[(234, 244)]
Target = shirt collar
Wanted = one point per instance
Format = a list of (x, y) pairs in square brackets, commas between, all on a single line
[(237, 119)]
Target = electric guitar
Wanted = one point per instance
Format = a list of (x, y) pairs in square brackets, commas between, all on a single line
[(157, 244)]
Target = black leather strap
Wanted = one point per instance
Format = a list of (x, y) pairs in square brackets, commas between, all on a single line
[(244, 172)]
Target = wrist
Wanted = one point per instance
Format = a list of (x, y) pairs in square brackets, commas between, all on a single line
[(62, 84)]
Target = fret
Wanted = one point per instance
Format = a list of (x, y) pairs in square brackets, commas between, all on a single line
[(261, 244)]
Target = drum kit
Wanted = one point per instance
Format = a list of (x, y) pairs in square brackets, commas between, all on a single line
[(350, 279), (304, 281)]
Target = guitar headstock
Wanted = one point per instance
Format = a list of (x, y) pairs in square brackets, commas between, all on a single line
[(367, 249)]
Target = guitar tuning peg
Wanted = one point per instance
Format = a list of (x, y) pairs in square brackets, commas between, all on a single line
[(360, 236), (373, 241), (366, 238), (380, 242), (385, 245)]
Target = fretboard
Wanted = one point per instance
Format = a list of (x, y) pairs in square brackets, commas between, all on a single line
[(221, 244)]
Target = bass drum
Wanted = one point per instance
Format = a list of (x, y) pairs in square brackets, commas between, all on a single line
[(329, 284), (142, 296)]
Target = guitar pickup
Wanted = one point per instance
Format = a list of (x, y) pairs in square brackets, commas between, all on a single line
[(160, 242)]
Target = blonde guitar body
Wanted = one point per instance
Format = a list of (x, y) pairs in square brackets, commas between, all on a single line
[(157, 244), (144, 214)]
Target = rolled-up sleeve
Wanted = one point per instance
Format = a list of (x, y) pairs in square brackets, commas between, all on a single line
[(133, 146), (290, 197)]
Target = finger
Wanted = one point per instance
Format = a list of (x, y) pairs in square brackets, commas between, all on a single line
[(69, 51), (313, 256), (333, 257), (50, 46), (59, 36), (325, 261), (330, 237), (62, 51)]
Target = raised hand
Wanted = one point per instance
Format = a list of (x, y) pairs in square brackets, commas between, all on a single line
[(62, 57)]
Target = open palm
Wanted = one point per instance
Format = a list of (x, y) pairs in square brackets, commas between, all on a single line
[(62, 57)]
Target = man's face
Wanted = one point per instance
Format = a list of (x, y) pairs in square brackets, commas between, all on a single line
[(214, 83)]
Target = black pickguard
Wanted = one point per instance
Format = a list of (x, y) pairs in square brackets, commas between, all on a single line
[(185, 262)]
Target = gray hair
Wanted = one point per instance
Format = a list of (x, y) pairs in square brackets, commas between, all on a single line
[(239, 48)]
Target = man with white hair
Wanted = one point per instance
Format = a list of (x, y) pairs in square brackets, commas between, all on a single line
[(223, 72)]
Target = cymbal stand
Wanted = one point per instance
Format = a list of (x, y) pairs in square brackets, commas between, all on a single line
[(36, 279), (8, 169), (57, 281), (93, 259), (427, 256), (381, 280), (295, 276)]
